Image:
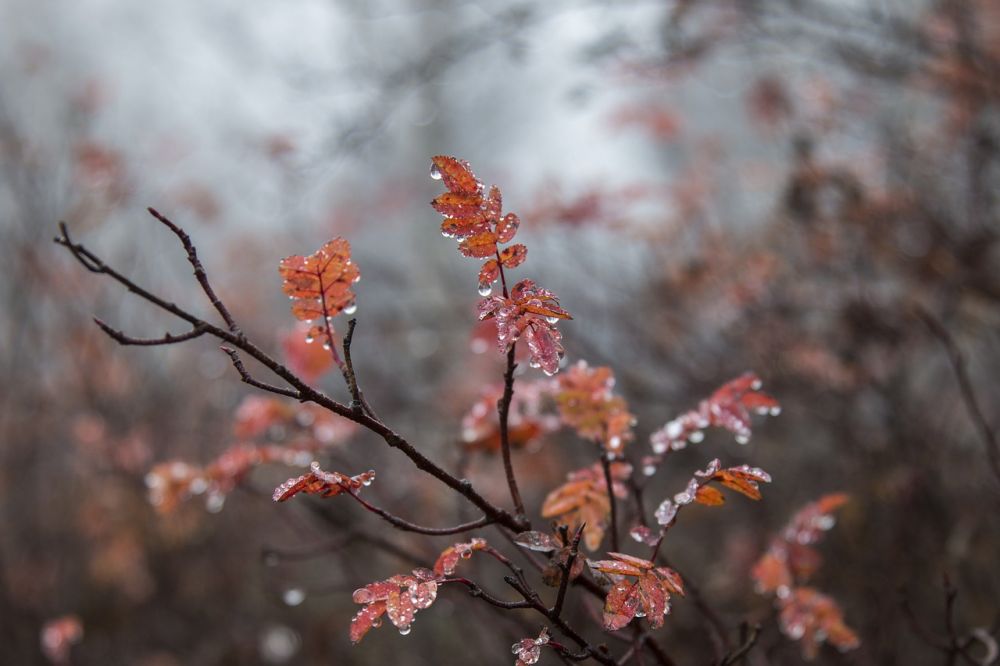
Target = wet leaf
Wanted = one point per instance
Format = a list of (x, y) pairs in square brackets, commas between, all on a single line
[(321, 483), (452, 555), (320, 285)]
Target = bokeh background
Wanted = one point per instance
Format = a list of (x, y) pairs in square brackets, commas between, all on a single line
[(803, 188)]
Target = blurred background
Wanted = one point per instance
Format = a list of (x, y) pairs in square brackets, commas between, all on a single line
[(803, 188)]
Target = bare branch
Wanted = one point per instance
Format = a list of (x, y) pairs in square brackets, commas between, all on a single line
[(407, 526), (503, 410), (248, 379), (167, 338)]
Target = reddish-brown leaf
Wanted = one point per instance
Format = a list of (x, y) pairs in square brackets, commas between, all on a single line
[(452, 555), (814, 618), (514, 255), (480, 245), (456, 174), (400, 597), (584, 499), (529, 650), (324, 484), (507, 227), (586, 403), (320, 284)]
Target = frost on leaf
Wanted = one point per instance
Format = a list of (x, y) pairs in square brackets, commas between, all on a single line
[(586, 403), (452, 555), (648, 595), (531, 312), (789, 562), (526, 423), (320, 286), (814, 618), (743, 479), (730, 407), (324, 484), (584, 499), (399, 597), (529, 650)]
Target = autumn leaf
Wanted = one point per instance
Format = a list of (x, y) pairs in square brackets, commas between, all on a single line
[(308, 361), (320, 287), (729, 407), (59, 635), (324, 484), (584, 499), (399, 597), (649, 593), (452, 555), (530, 312), (559, 555), (743, 479), (586, 403)]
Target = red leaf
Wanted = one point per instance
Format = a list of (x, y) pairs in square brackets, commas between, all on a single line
[(452, 555), (320, 284), (456, 174), (529, 650), (587, 404), (513, 256), (324, 484), (507, 227), (584, 499), (399, 596)]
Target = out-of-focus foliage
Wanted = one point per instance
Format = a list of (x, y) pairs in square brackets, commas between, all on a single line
[(709, 187)]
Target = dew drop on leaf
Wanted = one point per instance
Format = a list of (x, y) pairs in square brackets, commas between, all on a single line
[(696, 436), (485, 289), (435, 172), (310, 339), (351, 309), (404, 630), (742, 439)]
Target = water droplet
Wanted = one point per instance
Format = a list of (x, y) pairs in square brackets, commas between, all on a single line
[(326, 346), (640, 613), (351, 309), (649, 470), (404, 630), (696, 436), (485, 289), (615, 442), (293, 596), (552, 320), (742, 438), (756, 385), (775, 411), (310, 339), (435, 172), (367, 481)]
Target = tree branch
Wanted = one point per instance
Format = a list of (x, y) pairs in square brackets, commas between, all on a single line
[(606, 466), (167, 338), (248, 379), (407, 526), (503, 410)]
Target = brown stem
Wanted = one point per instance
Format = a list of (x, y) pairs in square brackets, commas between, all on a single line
[(503, 411), (749, 639), (305, 393), (167, 338), (566, 569), (606, 466), (407, 526)]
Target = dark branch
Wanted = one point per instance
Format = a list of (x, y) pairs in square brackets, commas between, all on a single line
[(606, 466), (167, 339), (503, 410), (199, 271), (749, 640), (407, 526), (248, 379), (566, 569)]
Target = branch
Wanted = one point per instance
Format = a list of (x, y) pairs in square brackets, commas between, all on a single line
[(305, 392), (503, 410), (199, 271), (248, 379), (958, 364), (407, 526), (357, 397), (167, 338), (566, 569), (606, 466), (748, 640)]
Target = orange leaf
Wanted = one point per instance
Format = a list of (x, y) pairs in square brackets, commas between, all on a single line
[(324, 484), (450, 556), (513, 256), (320, 284), (456, 174)]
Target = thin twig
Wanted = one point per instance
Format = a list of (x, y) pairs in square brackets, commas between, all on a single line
[(503, 411), (256, 383), (167, 338), (606, 466), (199, 271), (407, 526), (960, 367), (748, 641), (567, 567)]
